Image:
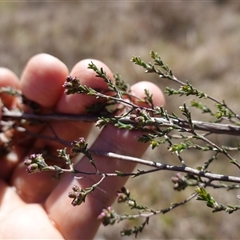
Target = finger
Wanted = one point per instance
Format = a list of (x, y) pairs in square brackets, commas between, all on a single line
[(8, 79), (66, 131), (111, 139), (8, 160), (42, 79), (77, 104), (41, 82), (21, 220)]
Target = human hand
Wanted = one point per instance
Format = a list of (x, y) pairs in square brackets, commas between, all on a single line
[(36, 205)]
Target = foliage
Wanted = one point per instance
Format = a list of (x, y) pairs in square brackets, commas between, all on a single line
[(178, 134)]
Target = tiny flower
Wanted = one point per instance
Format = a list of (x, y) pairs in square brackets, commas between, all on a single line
[(110, 209), (102, 215), (35, 163), (121, 197), (139, 119), (82, 141), (138, 110), (79, 146), (71, 84), (78, 195), (27, 162), (76, 188), (179, 181), (72, 195), (107, 216), (32, 168), (37, 157), (132, 117)]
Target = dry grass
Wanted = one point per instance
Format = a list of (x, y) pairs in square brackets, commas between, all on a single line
[(199, 41)]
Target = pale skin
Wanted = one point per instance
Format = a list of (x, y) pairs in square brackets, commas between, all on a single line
[(35, 206)]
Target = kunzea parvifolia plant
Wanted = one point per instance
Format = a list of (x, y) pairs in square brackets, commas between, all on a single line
[(178, 133)]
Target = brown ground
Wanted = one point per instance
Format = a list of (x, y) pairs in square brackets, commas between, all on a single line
[(199, 41)]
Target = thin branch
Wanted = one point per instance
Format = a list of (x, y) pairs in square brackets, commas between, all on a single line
[(161, 166), (218, 128), (162, 211)]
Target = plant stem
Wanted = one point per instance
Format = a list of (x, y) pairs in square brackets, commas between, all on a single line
[(218, 128)]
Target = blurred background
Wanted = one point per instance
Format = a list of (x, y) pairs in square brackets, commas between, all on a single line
[(200, 41)]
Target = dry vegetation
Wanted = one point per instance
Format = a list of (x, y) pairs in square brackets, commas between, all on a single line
[(198, 40)]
